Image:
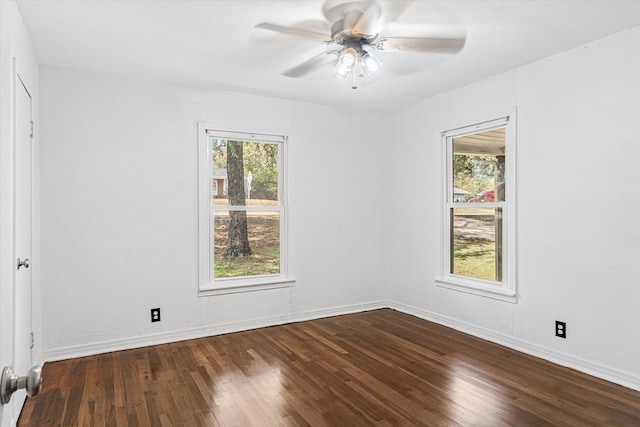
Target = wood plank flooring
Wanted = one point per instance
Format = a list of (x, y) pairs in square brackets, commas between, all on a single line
[(378, 368)]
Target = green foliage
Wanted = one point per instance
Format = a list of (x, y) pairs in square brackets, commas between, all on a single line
[(219, 153), (261, 159), (473, 173)]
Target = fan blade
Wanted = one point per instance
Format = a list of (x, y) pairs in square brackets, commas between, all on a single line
[(393, 9), (389, 10), (369, 23), (311, 64), (417, 44), (293, 31)]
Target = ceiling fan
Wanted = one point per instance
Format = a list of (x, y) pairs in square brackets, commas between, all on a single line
[(356, 28)]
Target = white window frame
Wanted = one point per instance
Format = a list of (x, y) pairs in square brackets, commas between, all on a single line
[(507, 289), (207, 283)]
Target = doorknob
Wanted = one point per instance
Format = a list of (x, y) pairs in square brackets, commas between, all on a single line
[(23, 263), (10, 382)]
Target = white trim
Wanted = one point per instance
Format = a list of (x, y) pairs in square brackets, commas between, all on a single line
[(82, 350), (597, 370), (246, 136), (478, 287), (507, 289), (484, 126), (247, 208), (204, 217), (261, 283)]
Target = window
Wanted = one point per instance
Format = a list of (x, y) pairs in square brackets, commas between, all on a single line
[(479, 210), (243, 243)]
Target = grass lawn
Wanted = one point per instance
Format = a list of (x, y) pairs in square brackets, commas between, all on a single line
[(264, 240), (474, 258)]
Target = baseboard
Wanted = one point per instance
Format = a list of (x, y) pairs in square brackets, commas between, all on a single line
[(597, 370), (83, 350)]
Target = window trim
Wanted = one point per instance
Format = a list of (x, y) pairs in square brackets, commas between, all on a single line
[(207, 284), (507, 290)]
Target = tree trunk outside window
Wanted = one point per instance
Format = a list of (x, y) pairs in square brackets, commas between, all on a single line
[(238, 241)]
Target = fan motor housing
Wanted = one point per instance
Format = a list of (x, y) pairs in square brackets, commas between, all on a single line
[(342, 30)]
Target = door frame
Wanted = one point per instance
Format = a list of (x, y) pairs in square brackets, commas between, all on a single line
[(18, 85)]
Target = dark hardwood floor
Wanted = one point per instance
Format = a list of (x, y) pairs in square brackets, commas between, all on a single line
[(378, 368)]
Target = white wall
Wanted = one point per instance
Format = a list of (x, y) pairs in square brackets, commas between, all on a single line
[(16, 55), (578, 204), (119, 212)]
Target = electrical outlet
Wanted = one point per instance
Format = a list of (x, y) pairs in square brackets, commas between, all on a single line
[(155, 315), (561, 329)]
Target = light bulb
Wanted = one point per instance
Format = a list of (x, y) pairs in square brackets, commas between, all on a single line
[(370, 64), (346, 62), (348, 58)]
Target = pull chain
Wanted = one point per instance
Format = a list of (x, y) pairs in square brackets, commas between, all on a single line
[(355, 75)]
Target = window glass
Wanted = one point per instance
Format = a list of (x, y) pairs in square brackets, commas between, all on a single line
[(263, 234), (478, 183), (476, 253), (259, 163), (479, 167), (246, 232)]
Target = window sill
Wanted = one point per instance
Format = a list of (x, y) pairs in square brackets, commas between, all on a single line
[(236, 288), (478, 288)]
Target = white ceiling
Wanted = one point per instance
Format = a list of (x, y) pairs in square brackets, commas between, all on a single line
[(213, 43)]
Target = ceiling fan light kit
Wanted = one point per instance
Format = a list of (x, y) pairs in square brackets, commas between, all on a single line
[(370, 64), (350, 58), (355, 28)]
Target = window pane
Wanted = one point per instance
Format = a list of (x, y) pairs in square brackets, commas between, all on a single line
[(479, 167), (263, 235), (244, 173), (477, 243)]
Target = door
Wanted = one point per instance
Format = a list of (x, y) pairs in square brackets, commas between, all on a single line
[(23, 230)]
